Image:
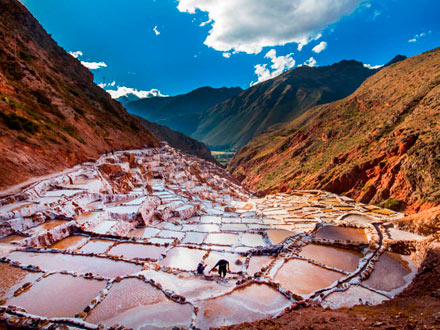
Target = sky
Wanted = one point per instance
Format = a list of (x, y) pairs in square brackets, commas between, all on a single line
[(169, 47)]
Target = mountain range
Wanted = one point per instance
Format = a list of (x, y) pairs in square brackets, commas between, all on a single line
[(181, 112), (380, 145)]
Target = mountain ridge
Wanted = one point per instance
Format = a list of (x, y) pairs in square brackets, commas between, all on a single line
[(377, 145), (178, 140), (52, 114), (181, 112), (233, 123)]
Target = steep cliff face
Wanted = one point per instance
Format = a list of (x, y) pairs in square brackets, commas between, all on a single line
[(178, 140), (233, 123), (379, 145), (52, 115)]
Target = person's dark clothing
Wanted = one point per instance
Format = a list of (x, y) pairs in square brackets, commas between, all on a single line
[(200, 268), (222, 266)]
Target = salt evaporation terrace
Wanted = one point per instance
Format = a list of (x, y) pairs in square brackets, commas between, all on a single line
[(118, 242)]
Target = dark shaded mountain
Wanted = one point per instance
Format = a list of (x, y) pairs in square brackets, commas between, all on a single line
[(52, 115), (181, 112), (396, 59), (233, 123), (379, 145), (178, 140), (127, 98)]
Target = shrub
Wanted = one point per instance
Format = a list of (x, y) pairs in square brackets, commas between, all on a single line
[(16, 122), (394, 204), (41, 97)]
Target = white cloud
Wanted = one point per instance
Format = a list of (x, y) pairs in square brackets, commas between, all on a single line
[(94, 65), (249, 25), (226, 54), (206, 22), (123, 91), (278, 66), (88, 65), (310, 62), (76, 54), (373, 67), (320, 47), (156, 31), (418, 36)]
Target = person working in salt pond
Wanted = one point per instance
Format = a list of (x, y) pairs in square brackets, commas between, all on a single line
[(201, 268), (222, 265)]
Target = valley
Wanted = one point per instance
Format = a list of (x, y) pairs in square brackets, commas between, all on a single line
[(308, 200)]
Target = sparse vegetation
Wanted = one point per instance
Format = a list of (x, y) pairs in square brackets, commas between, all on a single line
[(17, 122)]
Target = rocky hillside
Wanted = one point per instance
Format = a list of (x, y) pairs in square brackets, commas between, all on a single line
[(379, 145), (233, 123), (181, 112), (52, 115), (178, 140)]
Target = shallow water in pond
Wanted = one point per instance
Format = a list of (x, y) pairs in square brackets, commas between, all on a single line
[(171, 234), (358, 219), (342, 234), (355, 295), (11, 278), (70, 243), (183, 258), (251, 303), (132, 250), (47, 297), (279, 235), (256, 263), (252, 240), (103, 227), (205, 228), (54, 262), (96, 246), (137, 304), (344, 259), (12, 238), (193, 287), (390, 272), (195, 238), (45, 227), (145, 232), (236, 261), (303, 278), (221, 239)]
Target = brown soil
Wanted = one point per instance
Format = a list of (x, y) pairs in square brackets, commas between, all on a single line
[(418, 307)]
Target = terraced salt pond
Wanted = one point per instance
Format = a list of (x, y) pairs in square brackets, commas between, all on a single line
[(128, 251), (47, 297), (137, 304), (344, 259), (56, 262), (304, 278)]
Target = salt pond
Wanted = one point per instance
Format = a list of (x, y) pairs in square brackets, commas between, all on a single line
[(136, 242)]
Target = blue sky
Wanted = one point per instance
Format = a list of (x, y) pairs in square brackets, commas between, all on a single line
[(175, 46)]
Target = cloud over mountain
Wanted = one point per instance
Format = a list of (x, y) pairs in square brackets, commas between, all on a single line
[(249, 25)]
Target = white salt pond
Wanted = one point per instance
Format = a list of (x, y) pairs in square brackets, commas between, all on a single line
[(251, 303), (139, 305), (135, 244), (55, 262), (50, 293)]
